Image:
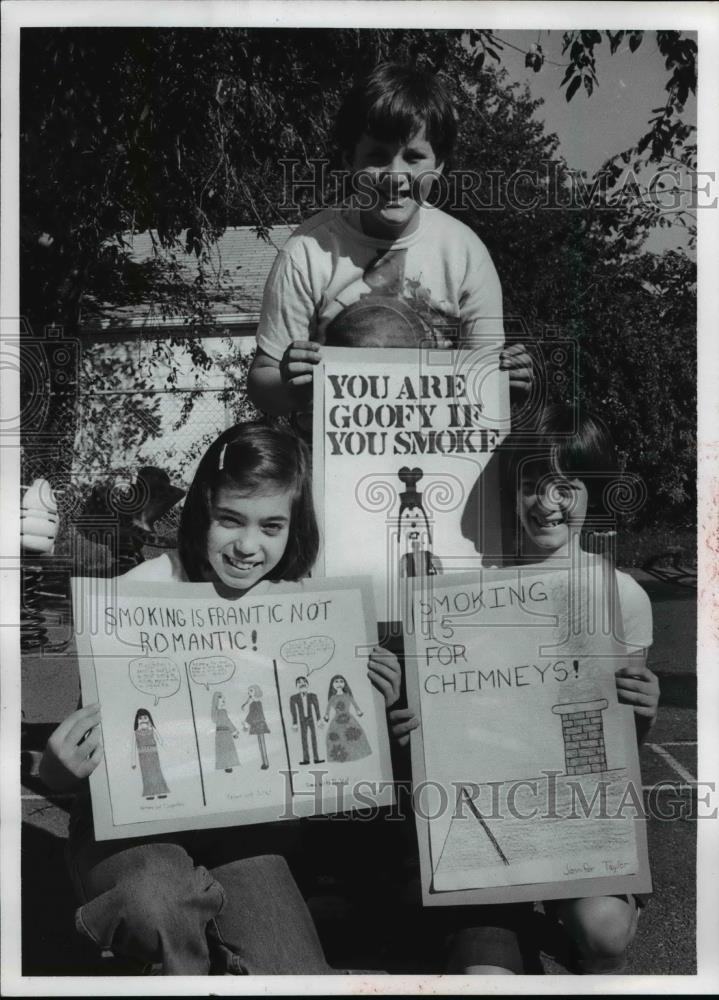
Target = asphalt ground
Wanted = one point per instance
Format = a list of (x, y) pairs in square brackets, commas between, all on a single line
[(665, 940)]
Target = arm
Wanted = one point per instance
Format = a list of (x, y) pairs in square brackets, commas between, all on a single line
[(518, 362), (356, 707), (293, 710), (73, 751), (281, 387), (280, 378), (638, 686)]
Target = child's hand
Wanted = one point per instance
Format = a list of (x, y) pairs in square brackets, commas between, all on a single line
[(518, 362), (402, 722), (638, 686), (74, 750), (298, 361), (385, 673)]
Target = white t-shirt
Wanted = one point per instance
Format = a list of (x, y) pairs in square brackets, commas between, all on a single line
[(636, 611), (162, 569), (440, 278)]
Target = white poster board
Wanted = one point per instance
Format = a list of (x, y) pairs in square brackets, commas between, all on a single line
[(403, 441), (247, 720), (525, 766)]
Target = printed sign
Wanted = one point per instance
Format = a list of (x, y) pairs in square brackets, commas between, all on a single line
[(404, 482)]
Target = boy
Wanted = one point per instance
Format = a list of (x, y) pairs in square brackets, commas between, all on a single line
[(383, 269)]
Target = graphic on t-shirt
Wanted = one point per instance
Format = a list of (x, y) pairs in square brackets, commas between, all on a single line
[(395, 311)]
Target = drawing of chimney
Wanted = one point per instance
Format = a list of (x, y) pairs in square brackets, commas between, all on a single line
[(583, 735)]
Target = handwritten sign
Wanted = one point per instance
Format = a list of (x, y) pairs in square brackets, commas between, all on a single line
[(403, 442), (525, 765), (156, 676), (217, 713)]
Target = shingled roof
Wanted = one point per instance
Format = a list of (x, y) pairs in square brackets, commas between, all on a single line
[(235, 274)]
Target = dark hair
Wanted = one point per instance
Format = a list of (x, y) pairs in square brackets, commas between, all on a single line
[(394, 101), (348, 689), (138, 713), (301, 678), (252, 457), (571, 444)]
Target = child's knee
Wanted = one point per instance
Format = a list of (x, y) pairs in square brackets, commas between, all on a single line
[(602, 927), (157, 896)]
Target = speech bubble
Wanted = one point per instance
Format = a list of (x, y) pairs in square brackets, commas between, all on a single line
[(211, 670), (314, 652), (155, 675)]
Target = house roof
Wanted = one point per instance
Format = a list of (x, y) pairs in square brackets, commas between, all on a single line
[(235, 271)]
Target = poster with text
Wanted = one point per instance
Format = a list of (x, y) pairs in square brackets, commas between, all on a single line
[(222, 712), (404, 479), (525, 765)]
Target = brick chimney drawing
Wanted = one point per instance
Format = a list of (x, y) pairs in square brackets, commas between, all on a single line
[(583, 735)]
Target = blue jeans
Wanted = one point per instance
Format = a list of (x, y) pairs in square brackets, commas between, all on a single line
[(149, 900)]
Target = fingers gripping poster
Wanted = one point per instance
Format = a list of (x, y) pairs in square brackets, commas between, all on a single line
[(218, 713), (525, 765), (404, 479)]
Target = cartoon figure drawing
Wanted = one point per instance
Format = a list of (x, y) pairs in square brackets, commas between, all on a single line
[(419, 560), (145, 746), (345, 737), (305, 710), (255, 723), (226, 733)]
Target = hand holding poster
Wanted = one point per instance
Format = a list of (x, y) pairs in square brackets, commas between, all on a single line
[(525, 765), (403, 442), (218, 712)]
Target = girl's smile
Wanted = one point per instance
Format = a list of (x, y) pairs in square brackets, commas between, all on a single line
[(552, 510), (247, 536)]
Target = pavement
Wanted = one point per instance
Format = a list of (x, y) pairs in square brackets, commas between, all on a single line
[(665, 940)]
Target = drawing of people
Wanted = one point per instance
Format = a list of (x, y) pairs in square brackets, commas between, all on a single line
[(345, 737), (255, 722), (305, 710), (145, 746), (226, 733)]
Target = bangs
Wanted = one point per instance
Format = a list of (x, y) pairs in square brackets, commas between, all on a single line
[(393, 117), (392, 104), (568, 458)]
